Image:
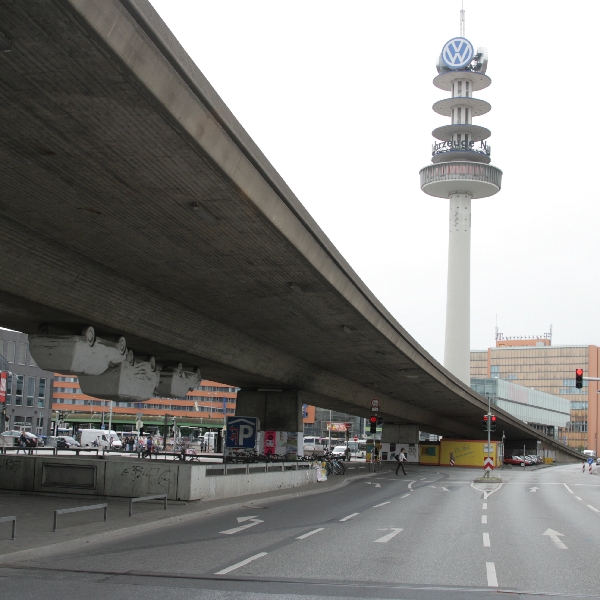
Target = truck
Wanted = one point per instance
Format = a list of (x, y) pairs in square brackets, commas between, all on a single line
[(101, 438)]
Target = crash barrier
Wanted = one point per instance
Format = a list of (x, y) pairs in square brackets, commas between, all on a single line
[(144, 498), (14, 524), (63, 511), (48, 450)]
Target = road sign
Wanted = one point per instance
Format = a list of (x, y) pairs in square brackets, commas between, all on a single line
[(241, 432), (356, 438), (488, 464), (375, 405), (590, 460), (103, 426)]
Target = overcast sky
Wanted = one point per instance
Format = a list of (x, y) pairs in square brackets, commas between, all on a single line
[(338, 95)]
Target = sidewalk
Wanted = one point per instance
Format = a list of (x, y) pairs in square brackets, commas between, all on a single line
[(35, 514)]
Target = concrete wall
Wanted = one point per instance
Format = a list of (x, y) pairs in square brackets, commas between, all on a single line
[(132, 477)]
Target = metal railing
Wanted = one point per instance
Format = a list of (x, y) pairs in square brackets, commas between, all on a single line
[(14, 524), (144, 499), (63, 511)]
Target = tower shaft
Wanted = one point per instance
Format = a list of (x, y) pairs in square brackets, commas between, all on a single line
[(458, 303)]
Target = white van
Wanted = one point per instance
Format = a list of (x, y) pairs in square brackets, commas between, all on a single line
[(210, 438), (313, 444), (591, 453), (100, 438)]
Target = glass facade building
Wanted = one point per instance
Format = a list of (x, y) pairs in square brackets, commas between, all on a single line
[(549, 369), (545, 412)]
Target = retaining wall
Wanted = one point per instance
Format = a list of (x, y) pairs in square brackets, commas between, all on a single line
[(133, 477)]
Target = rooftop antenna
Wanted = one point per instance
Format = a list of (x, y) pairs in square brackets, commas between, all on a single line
[(462, 20)]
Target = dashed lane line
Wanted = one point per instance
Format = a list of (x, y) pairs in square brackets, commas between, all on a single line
[(382, 504), (568, 488), (486, 540), (301, 537), (491, 574), (389, 536), (405, 496), (484, 519), (349, 517), (578, 498), (484, 507), (594, 509), (240, 564)]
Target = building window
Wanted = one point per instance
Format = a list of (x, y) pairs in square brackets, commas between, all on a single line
[(30, 390), (10, 352), (22, 354), (19, 391), (495, 372), (41, 392)]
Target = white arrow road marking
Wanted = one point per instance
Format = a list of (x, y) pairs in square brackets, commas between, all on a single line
[(378, 505), (484, 519), (240, 564), (349, 517), (377, 485), (252, 523), (301, 537), (553, 535), (594, 509), (445, 489), (491, 574), (410, 485), (389, 536), (534, 489), (486, 540)]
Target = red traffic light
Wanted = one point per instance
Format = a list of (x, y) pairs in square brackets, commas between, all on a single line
[(493, 417), (485, 417), (373, 418), (579, 372)]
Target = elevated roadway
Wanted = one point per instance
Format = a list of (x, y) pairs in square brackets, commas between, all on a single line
[(133, 201)]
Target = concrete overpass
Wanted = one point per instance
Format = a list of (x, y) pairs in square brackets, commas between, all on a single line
[(134, 202)]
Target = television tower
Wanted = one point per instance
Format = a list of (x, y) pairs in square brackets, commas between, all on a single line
[(461, 171)]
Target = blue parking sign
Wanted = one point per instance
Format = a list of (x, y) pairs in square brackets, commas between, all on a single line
[(241, 432)]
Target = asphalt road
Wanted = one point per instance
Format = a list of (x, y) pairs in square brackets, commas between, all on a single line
[(431, 534)]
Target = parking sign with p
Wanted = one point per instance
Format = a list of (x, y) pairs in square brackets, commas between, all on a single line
[(241, 432)]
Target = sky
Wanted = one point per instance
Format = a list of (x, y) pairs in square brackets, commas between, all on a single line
[(338, 96)]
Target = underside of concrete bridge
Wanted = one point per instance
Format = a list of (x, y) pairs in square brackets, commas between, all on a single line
[(134, 202)]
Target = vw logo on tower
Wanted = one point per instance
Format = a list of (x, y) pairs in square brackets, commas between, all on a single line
[(458, 53)]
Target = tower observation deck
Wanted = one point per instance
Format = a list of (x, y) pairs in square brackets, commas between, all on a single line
[(460, 171)]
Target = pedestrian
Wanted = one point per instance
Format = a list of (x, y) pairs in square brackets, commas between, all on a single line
[(22, 443), (401, 458)]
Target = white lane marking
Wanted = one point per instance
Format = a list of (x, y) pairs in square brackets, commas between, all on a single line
[(578, 498), (553, 535), (389, 536), (423, 478), (568, 488), (594, 509), (349, 517), (252, 523), (433, 486), (410, 485), (484, 507), (491, 574), (405, 496), (301, 537), (486, 494), (240, 564), (382, 504), (484, 519), (445, 489), (486, 540), (534, 489)]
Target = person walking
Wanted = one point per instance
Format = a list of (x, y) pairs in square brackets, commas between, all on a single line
[(401, 458), (22, 443)]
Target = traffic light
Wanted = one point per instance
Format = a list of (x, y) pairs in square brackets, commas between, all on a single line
[(373, 422), (493, 423), (485, 422), (579, 378)]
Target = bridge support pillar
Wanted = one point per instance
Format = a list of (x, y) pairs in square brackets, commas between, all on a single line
[(276, 410), (399, 434)]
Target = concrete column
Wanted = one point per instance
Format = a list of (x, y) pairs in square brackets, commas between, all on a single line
[(457, 347), (277, 411), (399, 434)]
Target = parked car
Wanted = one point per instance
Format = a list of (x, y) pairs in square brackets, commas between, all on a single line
[(64, 442), (514, 460), (339, 452)]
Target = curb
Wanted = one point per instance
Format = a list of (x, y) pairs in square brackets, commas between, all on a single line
[(41, 551)]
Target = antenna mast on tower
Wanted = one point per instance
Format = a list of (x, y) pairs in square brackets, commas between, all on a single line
[(462, 20)]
